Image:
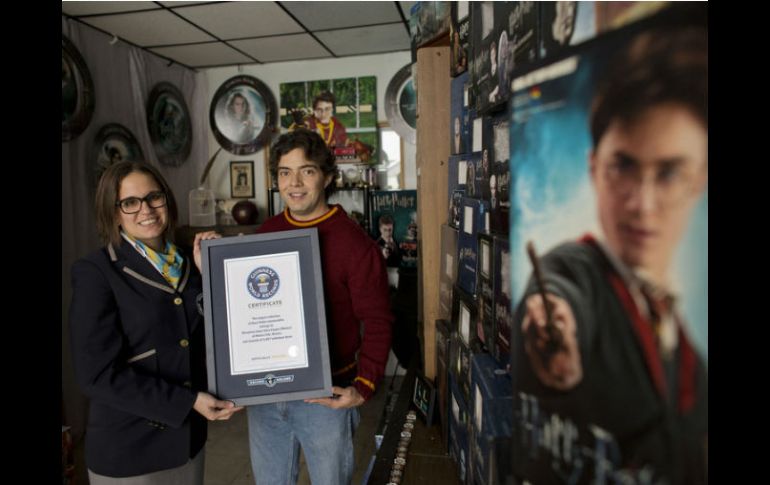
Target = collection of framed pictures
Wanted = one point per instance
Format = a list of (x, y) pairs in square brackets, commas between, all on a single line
[(243, 115)]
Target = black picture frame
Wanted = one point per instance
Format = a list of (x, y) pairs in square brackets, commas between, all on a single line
[(424, 397), (242, 179), (168, 121), (113, 143), (281, 274), (243, 133), (77, 92)]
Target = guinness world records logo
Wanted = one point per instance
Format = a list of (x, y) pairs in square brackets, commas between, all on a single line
[(263, 283)]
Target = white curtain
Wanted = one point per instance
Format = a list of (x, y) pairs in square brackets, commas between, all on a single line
[(123, 77)]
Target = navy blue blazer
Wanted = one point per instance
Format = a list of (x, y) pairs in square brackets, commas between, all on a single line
[(138, 348)]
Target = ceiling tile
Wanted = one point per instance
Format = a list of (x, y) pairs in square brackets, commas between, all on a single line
[(196, 55), (282, 48), (234, 20), (90, 8), (333, 15), (366, 40), (179, 4), (150, 28)]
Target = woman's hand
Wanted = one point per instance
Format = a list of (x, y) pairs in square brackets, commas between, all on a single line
[(212, 408), (197, 245)]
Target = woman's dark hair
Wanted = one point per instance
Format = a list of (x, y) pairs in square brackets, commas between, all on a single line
[(312, 146), (658, 66), (108, 191)]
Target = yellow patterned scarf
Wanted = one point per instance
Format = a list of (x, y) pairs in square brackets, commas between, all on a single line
[(168, 263)]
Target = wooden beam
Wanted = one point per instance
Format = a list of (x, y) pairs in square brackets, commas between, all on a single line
[(433, 83)]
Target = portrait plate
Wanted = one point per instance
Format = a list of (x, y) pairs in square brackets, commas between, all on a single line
[(168, 122), (243, 115), (77, 92)]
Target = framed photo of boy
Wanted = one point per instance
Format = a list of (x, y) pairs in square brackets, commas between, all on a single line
[(264, 318), (242, 179)]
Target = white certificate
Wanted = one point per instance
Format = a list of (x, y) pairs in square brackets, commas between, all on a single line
[(265, 317)]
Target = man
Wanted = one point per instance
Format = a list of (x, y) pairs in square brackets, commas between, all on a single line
[(615, 356), (356, 294), (386, 241), (323, 122)]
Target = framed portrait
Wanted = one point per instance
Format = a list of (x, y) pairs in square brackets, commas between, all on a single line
[(265, 318), (401, 104), (243, 115), (113, 143), (345, 114), (424, 397), (77, 92), (168, 122), (242, 179)]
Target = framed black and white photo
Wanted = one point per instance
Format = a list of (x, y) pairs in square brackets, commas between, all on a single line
[(243, 115), (265, 319), (242, 179), (168, 122), (77, 92)]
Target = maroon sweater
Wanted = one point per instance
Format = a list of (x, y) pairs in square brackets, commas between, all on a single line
[(355, 291)]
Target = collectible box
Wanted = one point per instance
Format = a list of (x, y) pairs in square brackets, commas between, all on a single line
[(394, 226), (502, 298), (460, 116), (474, 218), (448, 270), (442, 378), (486, 273), (459, 37)]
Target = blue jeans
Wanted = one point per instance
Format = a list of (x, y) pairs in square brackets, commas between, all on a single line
[(277, 430)]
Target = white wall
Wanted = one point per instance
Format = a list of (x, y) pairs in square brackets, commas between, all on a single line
[(383, 66)]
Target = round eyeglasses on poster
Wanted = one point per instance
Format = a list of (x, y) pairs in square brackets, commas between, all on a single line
[(77, 92), (113, 143), (168, 122), (243, 115)]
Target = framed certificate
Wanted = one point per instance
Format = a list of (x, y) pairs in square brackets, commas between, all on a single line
[(265, 318)]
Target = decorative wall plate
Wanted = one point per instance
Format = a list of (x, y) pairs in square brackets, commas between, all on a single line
[(113, 143), (401, 104), (77, 92), (243, 115), (168, 122)]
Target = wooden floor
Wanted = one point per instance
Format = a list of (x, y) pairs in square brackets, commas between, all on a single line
[(227, 451)]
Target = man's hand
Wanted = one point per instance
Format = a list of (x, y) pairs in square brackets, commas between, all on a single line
[(344, 397), (560, 369), (197, 245), (212, 408)]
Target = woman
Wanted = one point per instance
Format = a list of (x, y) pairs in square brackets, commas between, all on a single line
[(138, 338)]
